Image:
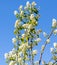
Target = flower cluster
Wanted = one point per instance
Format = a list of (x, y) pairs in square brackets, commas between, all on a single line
[(27, 37), (27, 20)]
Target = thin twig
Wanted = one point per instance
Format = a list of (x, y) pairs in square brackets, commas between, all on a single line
[(45, 46)]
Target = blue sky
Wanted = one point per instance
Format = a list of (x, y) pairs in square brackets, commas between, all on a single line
[(48, 11)]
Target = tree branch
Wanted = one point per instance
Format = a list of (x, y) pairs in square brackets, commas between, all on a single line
[(45, 46)]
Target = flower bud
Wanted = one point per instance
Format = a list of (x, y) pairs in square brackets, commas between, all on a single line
[(23, 35), (32, 16), (25, 25), (51, 49), (50, 63), (17, 23), (55, 45), (38, 40), (14, 40), (55, 31), (45, 34), (42, 48), (12, 62), (48, 41), (54, 23), (33, 3), (20, 7), (28, 4), (21, 13), (34, 52)]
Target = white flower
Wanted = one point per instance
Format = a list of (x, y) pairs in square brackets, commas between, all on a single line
[(17, 23), (45, 34), (38, 40), (6, 55), (28, 4), (34, 52), (12, 63), (54, 23), (33, 3), (32, 16), (48, 41), (14, 56), (21, 13), (15, 12), (51, 49), (19, 59), (20, 7), (14, 40), (25, 25), (50, 63), (43, 47), (23, 35), (55, 45), (55, 31), (23, 47), (30, 26)]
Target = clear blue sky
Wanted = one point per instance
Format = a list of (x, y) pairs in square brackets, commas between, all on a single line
[(48, 11)]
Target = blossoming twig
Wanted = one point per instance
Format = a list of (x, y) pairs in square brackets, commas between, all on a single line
[(45, 47)]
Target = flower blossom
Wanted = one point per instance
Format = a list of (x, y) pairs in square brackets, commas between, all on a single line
[(51, 49), (45, 34), (17, 23), (20, 7), (34, 52), (54, 23), (32, 16), (48, 41), (12, 62), (33, 3), (55, 45), (38, 40), (55, 31), (14, 40), (28, 4)]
